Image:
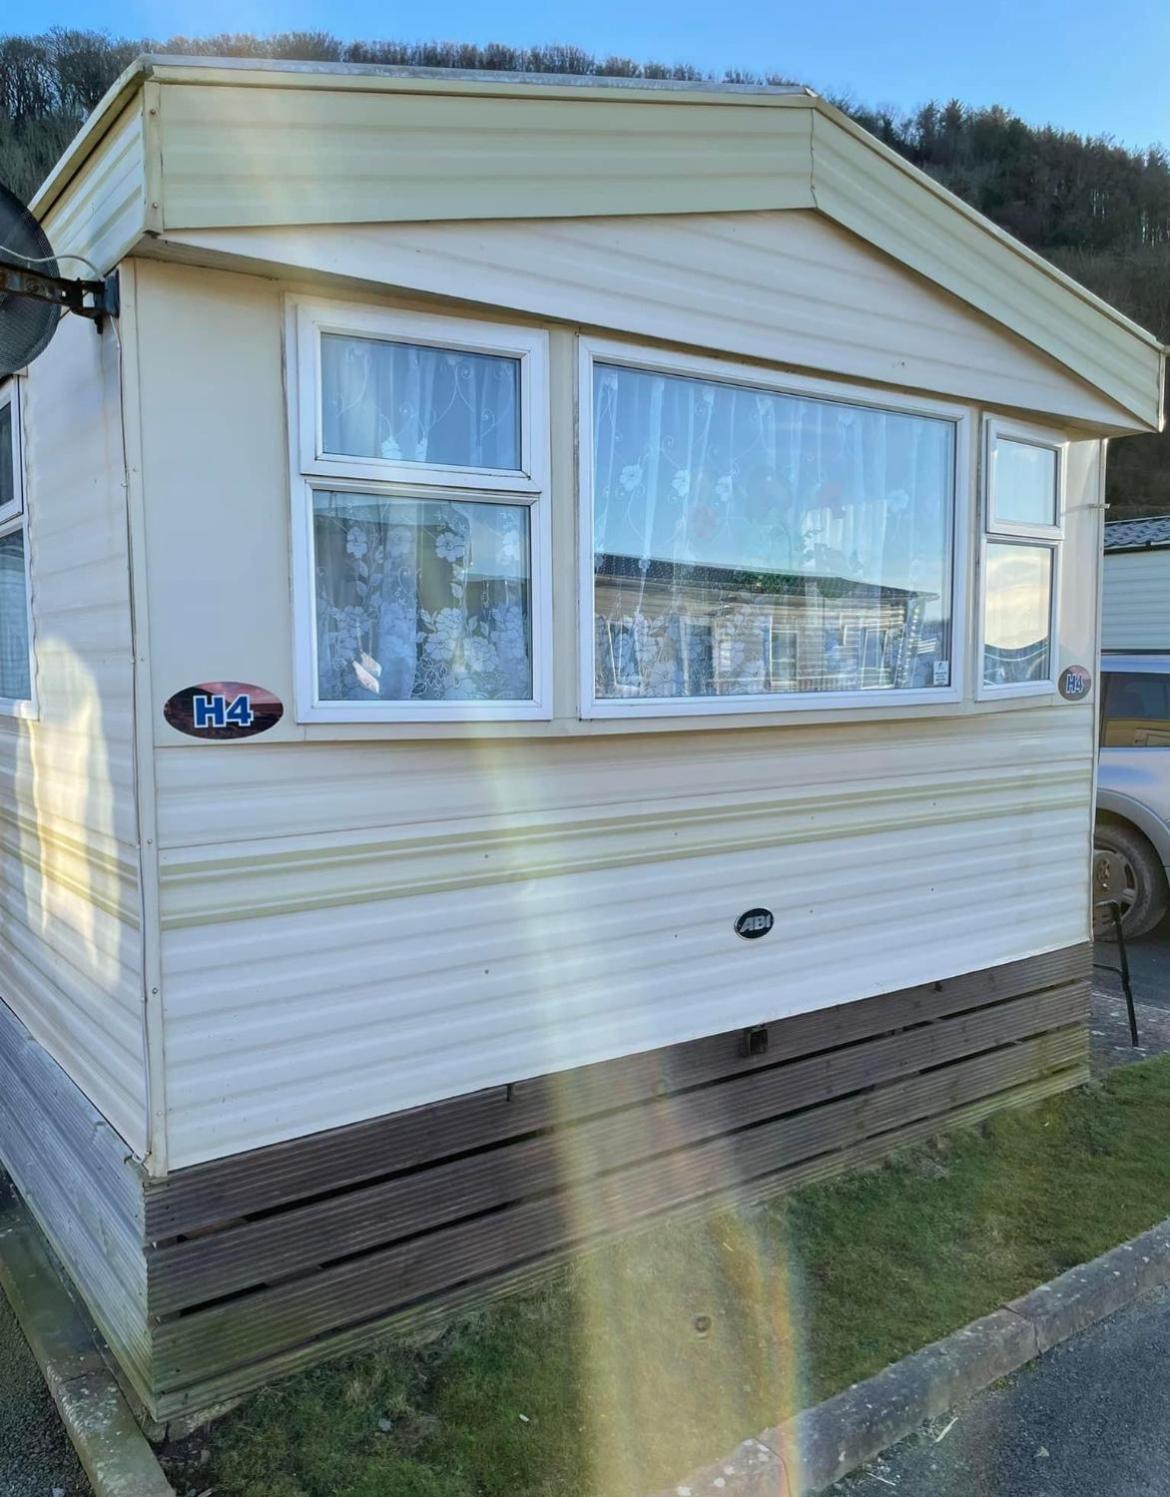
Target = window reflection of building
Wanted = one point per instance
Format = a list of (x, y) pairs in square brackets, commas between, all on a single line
[(666, 629)]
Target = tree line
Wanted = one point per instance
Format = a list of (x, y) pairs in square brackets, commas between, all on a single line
[(1099, 210)]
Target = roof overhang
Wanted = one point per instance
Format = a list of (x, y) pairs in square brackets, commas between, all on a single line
[(234, 143)]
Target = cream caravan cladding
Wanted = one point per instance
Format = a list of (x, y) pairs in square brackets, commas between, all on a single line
[(1135, 606), (357, 918), (71, 953), (363, 918)]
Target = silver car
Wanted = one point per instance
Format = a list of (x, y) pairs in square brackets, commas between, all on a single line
[(1133, 781)]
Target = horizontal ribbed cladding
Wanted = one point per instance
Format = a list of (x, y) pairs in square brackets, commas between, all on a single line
[(1135, 606), (484, 913), (71, 960)]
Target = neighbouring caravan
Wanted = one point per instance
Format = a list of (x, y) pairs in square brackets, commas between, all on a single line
[(548, 662), (1135, 607)]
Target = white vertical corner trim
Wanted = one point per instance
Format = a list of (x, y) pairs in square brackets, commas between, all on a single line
[(993, 530), (635, 356), (145, 792), (312, 468)]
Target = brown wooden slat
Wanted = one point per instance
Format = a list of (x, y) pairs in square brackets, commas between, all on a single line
[(442, 1308), (223, 1190), (191, 1272), (270, 1321)]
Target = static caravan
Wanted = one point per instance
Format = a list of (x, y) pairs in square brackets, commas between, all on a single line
[(1135, 610), (548, 662)]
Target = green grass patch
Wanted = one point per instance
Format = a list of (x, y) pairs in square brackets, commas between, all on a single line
[(661, 1352)]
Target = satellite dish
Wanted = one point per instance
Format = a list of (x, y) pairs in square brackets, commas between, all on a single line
[(33, 293)]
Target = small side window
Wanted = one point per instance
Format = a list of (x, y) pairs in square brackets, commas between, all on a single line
[(1023, 506), (15, 662), (1137, 710)]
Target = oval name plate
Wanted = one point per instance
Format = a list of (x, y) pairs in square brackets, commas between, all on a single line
[(753, 924), (1075, 683), (223, 709)]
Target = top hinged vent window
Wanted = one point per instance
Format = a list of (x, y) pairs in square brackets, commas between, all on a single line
[(429, 403), (1023, 483), (11, 501)]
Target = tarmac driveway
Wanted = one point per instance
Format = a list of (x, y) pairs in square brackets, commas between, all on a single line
[(36, 1458)]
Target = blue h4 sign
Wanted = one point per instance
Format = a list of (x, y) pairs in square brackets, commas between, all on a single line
[(216, 711)]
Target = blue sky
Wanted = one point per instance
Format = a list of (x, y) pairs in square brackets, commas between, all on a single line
[(1097, 68)]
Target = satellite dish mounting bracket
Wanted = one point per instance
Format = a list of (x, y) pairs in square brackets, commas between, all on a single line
[(96, 300)]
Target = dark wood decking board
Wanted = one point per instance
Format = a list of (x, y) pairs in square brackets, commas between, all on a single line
[(269, 1321), (205, 1195), (437, 1310), (191, 1272)]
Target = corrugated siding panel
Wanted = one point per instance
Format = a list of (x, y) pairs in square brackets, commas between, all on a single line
[(599, 919), (285, 156), (71, 960), (103, 213), (1135, 607), (884, 203), (72, 1170), (789, 287)]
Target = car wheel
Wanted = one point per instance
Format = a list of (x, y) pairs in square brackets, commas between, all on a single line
[(1145, 897)]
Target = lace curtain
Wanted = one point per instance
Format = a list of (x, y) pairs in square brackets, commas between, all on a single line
[(421, 600), (411, 403), (15, 682), (747, 541), (424, 600)]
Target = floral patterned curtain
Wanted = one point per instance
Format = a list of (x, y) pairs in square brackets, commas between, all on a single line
[(747, 541), (423, 600)]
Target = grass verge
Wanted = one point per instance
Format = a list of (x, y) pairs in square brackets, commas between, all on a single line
[(656, 1354)]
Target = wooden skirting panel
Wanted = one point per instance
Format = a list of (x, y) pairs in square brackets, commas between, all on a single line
[(268, 1260)]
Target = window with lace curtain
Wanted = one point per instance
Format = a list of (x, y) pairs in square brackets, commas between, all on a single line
[(422, 527), (761, 542), (15, 662)]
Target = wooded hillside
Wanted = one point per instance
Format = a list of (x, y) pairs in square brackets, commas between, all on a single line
[(1099, 211)]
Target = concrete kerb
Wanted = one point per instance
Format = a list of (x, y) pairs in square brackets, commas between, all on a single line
[(112, 1448), (818, 1446)]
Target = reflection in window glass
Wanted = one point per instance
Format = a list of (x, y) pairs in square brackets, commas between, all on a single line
[(747, 542), (1025, 483), (15, 680), (1017, 614), (410, 403), (421, 600), (7, 455), (1137, 710)]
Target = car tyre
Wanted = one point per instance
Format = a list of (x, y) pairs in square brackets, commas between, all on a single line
[(1147, 895)]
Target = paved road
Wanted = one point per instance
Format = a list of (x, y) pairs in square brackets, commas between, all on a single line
[(1091, 1417), (36, 1457), (1149, 962)]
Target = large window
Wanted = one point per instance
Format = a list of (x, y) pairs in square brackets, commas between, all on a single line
[(422, 536), (749, 546), (1023, 514), (15, 661)]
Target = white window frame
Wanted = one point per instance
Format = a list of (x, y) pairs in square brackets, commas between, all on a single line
[(13, 517), (635, 356), (994, 531), (314, 470)]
